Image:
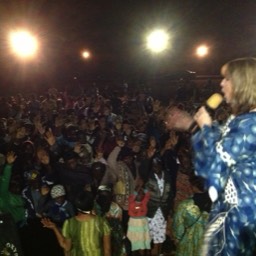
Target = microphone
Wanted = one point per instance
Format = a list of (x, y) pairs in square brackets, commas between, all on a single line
[(211, 105), (213, 102)]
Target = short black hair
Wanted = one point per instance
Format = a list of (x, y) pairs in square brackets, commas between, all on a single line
[(197, 182), (84, 201), (125, 152)]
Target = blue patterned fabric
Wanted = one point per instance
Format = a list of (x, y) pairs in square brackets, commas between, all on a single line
[(226, 157)]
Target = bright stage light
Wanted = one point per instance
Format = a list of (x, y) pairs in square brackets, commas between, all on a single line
[(157, 41), (86, 54), (23, 44), (202, 51)]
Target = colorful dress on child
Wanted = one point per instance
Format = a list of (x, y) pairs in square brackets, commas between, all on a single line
[(138, 229)]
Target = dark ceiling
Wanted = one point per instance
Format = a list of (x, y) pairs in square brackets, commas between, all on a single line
[(114, 32)]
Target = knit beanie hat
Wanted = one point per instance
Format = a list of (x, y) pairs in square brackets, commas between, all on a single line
[(57, 191)]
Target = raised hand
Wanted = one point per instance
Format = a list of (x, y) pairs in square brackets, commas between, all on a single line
[(39, 126), (49, 137), (44, 190), (78, 148), (178, 120), (10, 157), (47, 223), (150, 152)]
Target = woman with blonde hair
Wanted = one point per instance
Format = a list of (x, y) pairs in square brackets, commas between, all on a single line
[(225, 157)]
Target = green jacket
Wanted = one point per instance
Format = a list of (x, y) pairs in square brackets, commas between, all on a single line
[(9, 202)]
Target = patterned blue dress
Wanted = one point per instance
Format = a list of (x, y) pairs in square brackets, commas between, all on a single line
[(226, 157)]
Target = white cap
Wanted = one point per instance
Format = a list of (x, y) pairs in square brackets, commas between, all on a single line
[(57, 191)]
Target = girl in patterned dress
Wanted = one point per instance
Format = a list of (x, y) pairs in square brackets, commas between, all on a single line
[(138, 229)]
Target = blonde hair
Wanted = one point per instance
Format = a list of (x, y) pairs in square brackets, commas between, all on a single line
[(242, 74)]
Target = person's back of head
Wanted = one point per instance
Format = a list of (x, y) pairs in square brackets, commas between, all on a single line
[(126, 154), (197, 183), (201, 197), (84, 201), (104, 198)]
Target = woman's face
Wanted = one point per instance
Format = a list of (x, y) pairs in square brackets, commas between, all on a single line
[(226, 87)]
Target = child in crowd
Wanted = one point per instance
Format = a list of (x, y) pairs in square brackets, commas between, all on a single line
[(105, 206), (138, 229), (84, 234), (59, 209)]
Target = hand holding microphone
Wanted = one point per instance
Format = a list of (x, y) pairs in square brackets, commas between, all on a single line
[(204, 115), (180, 120)]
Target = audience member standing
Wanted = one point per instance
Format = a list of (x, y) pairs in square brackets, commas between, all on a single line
[(190, 219), (119, 161), (160, 203), (138, 228), (10, 202), (85, 234)]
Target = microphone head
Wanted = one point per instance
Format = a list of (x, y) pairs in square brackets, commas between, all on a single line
[(214, 101)]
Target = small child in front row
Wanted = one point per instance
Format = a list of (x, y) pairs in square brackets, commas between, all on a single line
[(59, 208), (138, 229)]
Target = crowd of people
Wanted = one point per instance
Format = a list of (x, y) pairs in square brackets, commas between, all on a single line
[(56, 147), (105, 175)]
